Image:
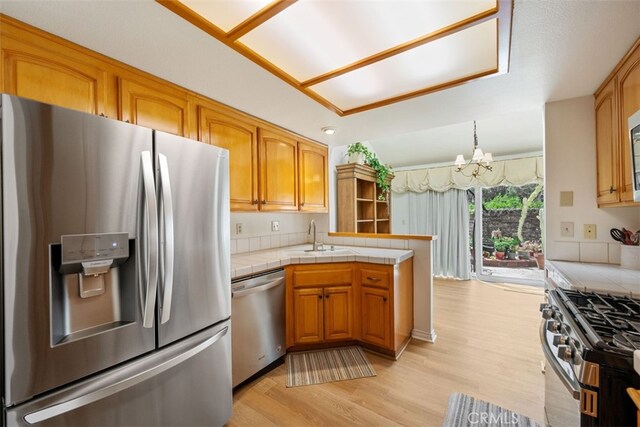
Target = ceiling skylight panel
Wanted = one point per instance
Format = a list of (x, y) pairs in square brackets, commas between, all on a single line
[(225, 14), (466, 53), (311, 38)]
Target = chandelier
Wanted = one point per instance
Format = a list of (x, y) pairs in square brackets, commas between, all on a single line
[(479, 163)]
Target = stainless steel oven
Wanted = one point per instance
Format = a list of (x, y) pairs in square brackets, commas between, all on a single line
[(588, 339)]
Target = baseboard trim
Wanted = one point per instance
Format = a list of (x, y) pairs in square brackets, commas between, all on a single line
[(424, 336)]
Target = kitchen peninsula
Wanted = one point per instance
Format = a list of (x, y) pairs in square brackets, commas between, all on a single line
[(360, 248)]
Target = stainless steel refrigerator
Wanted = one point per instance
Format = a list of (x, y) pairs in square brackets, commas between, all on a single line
[(115, 273)]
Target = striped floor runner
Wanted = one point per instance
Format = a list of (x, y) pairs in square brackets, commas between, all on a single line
[(323, 366), (463, 411)]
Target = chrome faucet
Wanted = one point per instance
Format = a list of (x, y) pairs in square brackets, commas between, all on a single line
[(312, 223)]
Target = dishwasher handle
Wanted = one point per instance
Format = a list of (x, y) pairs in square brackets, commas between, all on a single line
[(256, 289)]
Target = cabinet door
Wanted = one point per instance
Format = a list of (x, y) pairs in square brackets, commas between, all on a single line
[(376, 318), (52, 77), (146, 105), (338, 313), (312, 160), (279, 172), (307, 314), (241, 139), (629, 92), (607, 145)]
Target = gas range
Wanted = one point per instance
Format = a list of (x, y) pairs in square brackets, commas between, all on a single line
[(588, 339)]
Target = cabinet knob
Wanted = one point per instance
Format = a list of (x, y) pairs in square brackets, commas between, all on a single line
[(264, 202), (384, 298), (320, 296), (302, 204), (255, 202), (327, 296), (612, 189)]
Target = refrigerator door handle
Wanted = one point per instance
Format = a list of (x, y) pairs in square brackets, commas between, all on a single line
[(147, 244), (166, 239), (65, 406)]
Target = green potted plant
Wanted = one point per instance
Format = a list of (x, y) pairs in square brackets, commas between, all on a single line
[(500, 246), (356, 150), (503, 245), (357, 153)]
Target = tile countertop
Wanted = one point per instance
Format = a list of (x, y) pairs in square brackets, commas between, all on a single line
[(595, 277), (256, 262)]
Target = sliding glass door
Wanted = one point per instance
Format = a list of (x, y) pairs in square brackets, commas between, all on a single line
[(507, 233)]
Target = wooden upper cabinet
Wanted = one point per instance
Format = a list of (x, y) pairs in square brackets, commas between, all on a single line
[(313, 179), (279, 172), (241, 139), (616, 100), (62, 78), (153, 106), (607, 145), (629, 93)]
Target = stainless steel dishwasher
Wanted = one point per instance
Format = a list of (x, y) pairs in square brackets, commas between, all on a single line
[(258, 328)]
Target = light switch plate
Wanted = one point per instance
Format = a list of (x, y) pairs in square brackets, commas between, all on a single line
[(275, 225), (566, 229), (566, 198), (590, 231)]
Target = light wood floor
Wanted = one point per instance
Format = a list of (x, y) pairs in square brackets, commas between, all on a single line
[(487, 347)]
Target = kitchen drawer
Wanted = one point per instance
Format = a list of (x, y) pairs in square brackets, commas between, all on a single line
[(319, 275), (378, 277)]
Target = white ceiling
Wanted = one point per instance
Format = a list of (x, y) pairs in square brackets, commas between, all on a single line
[(560, 49)]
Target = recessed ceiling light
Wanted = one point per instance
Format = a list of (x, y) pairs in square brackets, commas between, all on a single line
[(329, 130)]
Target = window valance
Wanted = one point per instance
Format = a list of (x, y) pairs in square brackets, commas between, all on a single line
[(505, 172)]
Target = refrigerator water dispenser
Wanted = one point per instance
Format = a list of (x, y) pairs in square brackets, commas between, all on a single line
[(92, 285)]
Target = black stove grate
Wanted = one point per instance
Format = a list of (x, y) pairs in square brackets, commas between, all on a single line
[(611, 322)]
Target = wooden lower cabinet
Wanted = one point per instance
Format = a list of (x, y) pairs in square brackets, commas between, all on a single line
[(307, 314), (320, 304), (376, 318), (338, 313), (342, 303)]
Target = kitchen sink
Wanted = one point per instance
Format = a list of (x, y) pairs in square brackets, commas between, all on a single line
[(322, 252)]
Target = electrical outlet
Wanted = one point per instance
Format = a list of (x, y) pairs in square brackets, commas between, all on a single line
[(275, 225), (566, 229), (590, 231), (239, 228)]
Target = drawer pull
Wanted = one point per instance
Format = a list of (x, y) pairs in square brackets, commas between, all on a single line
[(373, 279)]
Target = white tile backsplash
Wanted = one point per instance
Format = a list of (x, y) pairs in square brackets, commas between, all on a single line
[(614, 253), (594, 252), (243, 245), (254, 244), (565, 251), (396, 243)]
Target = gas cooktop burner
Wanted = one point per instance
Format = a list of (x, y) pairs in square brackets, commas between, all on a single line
[(627, 341), (612, 322)]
